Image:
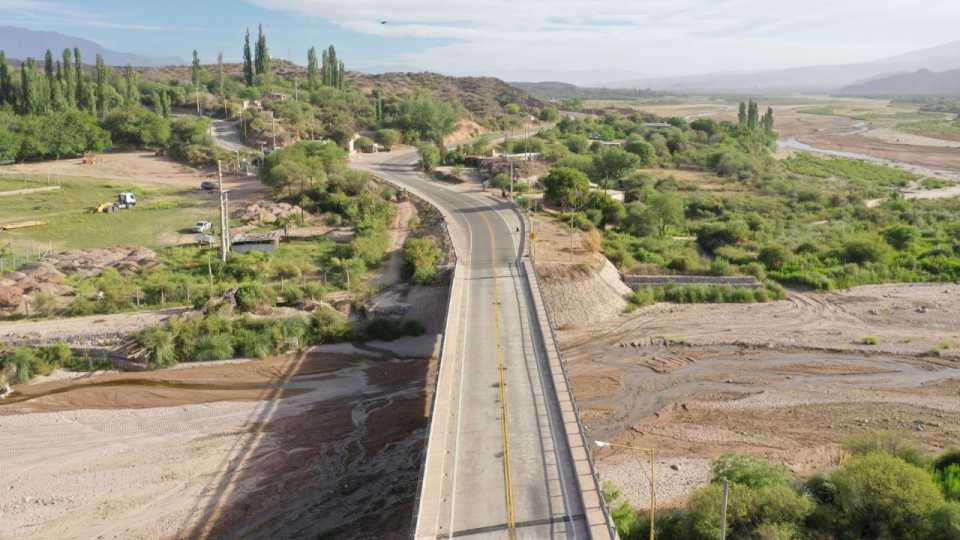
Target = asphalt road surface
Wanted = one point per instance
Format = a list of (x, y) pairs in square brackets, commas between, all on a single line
[(505, 470)]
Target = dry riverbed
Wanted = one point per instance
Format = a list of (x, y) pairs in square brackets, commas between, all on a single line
[(788, 380), (281, 448)]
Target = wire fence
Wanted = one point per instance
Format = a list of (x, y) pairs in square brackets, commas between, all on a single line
[(17, 254)]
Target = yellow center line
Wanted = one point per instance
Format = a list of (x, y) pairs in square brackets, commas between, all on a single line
[(507, 479)]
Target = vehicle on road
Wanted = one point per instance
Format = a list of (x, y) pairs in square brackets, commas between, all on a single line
[(208, 185), (202, 226)]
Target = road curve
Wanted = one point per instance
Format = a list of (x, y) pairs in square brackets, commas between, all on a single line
[(499, 464)]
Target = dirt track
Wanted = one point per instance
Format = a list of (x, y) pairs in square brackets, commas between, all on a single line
[(788, 379), (266, 449)]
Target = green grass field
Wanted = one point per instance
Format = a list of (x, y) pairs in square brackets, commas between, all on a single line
[(160, 217), (937, 128)]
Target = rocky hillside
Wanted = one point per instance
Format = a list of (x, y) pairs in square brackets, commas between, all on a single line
[(484, 97)]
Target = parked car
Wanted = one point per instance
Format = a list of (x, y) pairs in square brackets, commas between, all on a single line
[(208, 185), (202, 227)]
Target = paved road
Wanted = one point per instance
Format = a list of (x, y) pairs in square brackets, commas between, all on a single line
[(226, 135), (505, 469)]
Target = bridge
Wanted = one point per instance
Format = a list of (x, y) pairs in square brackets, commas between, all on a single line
[(507, 456)]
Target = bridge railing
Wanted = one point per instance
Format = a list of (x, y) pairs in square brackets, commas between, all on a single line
[(552, 330)]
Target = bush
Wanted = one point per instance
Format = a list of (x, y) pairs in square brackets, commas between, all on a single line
[(254, 297), (773, 257), (712, 236), (946, 522), (420, 257), (213, 347), (363, 144), (160, 346), (882, 496), (388, 138), (886, 442), (749, 470), (862, 251)]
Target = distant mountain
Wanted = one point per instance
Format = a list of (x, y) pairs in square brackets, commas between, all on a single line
[(919, 83), (806, 79), (22, 43)]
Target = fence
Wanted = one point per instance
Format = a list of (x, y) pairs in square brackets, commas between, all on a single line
[(14, 255), (636, 281)]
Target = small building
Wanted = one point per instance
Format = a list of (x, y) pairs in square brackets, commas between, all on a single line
[(266, 242), (277, 96), (657, 125)]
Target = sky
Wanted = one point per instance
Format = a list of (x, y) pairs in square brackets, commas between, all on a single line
[(579, 41)]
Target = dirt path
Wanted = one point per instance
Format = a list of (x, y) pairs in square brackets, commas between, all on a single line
[(92, 330), (291, 447), (391, 272)]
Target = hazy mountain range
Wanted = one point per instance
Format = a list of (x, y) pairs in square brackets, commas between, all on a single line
[(805, 79), (22, 43), (918, 83)]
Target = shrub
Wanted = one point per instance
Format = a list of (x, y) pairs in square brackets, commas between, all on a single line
[(420, 257), (773, 257), (160, 347), (253, 297), (749, 470), (882, 496), (900, 236), (862, 251), (213, 347), (870, 340), (946, 522), (715, 235), (388, 138), (252, 344), (364, 144), (886, 442)]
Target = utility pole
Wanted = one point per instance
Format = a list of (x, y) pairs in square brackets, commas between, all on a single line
[(273, 115), (296, 90), (196, 91), (224, 217), (723, 510)]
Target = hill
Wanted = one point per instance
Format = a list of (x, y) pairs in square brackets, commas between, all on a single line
[(806, 79), (22, 43), (484, 97), (919, 83)]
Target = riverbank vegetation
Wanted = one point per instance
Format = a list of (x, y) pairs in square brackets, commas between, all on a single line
[(707, 197), (886, 489)]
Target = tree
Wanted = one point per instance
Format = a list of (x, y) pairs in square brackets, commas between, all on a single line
[(549, 114), (665, 209), (742, 115), (767, 121), (78, 79), (247, 60), (312, 69), (132, 95), (882, 496), (753, 115), (6, 82), (429, 156), (195, 70), (565, 186), (423, 118), (262, 55), (388, 138), (643, 150), (101, 87), (221, 77), (612, 164), (69, 89), (136, 127), (50, 74), (331, 71)]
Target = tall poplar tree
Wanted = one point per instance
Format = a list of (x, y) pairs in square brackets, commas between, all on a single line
[(262, 55), (221, 78), (132, 95), (68, 90), (6, 81), (79, 93), (247, 61), (742, 115), (101, 87), (195, 70), (49, 70), (312, 68)]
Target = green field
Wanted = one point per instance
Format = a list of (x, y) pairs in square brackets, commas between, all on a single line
[(939, 128), (161, 216)]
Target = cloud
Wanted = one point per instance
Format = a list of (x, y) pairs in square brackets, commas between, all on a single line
[(655, 37), (57, 14)]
